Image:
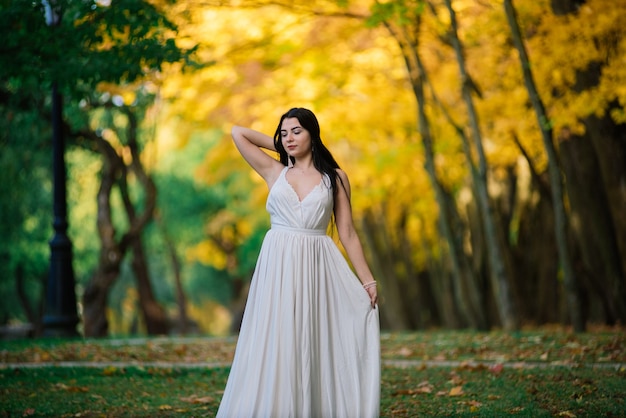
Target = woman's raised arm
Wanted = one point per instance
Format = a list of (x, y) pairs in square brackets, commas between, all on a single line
[(250, 143)]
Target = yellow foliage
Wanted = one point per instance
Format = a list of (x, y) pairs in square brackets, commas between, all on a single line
[(266, 62), (213, 318), (207, 252), (574, 44), (267, 59)]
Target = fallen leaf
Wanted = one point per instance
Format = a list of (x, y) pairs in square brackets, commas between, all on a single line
[(197, 399), (405, 352), (455, 379), (67, 388), (165, 408), (567, 414), (180, 350), (456, 391), (424, 387), (109, 370)]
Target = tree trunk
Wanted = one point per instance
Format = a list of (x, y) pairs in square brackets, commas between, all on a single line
[(592, 224), (609, 143), (419, 298), (463, 279), (569, 278), (115, 171), (391, 303), (441, 282), (498, 274), (238, 304), (471, 273), (183, 321), (95, 302), (96, 292), (153, 313), (34, 315), (462, 274), (534, 251), (404, 283)]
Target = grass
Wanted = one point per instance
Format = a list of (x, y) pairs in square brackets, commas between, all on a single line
[(479, 392), (571, 376)]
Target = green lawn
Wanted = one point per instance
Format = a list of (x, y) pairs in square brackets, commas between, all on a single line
[(530, 374)]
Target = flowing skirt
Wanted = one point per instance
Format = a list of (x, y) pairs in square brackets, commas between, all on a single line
[(309, 343)]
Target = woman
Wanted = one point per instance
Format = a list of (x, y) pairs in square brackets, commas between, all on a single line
[(309, 340)]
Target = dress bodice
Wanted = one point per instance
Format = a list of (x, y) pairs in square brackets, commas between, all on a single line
[(312, 212)]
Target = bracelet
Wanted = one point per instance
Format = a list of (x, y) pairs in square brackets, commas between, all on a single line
[(370, 284)]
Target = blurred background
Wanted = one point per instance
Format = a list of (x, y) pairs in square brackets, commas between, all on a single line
[(484, 141)]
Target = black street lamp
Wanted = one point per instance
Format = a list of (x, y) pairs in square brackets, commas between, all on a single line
[(60, 315)]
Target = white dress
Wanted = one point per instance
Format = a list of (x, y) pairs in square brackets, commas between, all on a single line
[(309, 343)]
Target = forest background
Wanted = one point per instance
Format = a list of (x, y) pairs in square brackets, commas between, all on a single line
[(484, 141)]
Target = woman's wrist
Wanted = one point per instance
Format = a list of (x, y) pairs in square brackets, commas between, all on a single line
[(369, 284)]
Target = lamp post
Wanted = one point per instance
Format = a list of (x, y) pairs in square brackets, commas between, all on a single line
[(60, 315)]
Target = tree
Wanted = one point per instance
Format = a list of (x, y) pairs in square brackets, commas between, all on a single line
[(561, 224), (263, 57), (95, 44), (594, 160), (583, 98), (262, 64), (407, 32), (498, 273), (116, 172)]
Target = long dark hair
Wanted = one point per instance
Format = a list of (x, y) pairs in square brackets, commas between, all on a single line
[(323, 160)]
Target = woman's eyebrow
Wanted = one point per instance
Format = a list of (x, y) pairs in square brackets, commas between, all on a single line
[(294, 128)]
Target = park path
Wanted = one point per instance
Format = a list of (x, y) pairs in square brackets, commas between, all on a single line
[(394, 363), (385, 362)]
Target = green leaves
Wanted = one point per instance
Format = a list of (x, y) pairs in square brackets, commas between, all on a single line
[(401, 12), (91, 44)]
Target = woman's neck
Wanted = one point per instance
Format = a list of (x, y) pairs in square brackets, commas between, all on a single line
[(304, 164)]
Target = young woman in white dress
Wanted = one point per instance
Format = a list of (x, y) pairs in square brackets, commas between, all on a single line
[(309, 341)]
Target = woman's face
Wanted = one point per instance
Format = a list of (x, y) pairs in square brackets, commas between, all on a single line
[(295, 139)]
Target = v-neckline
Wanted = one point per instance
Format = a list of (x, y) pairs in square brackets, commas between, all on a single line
[(300, 200)]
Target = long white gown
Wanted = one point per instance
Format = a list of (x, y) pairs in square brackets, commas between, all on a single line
[(309, 343)]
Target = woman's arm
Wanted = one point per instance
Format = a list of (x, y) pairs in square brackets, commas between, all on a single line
[(349, 237), (249, 143)]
